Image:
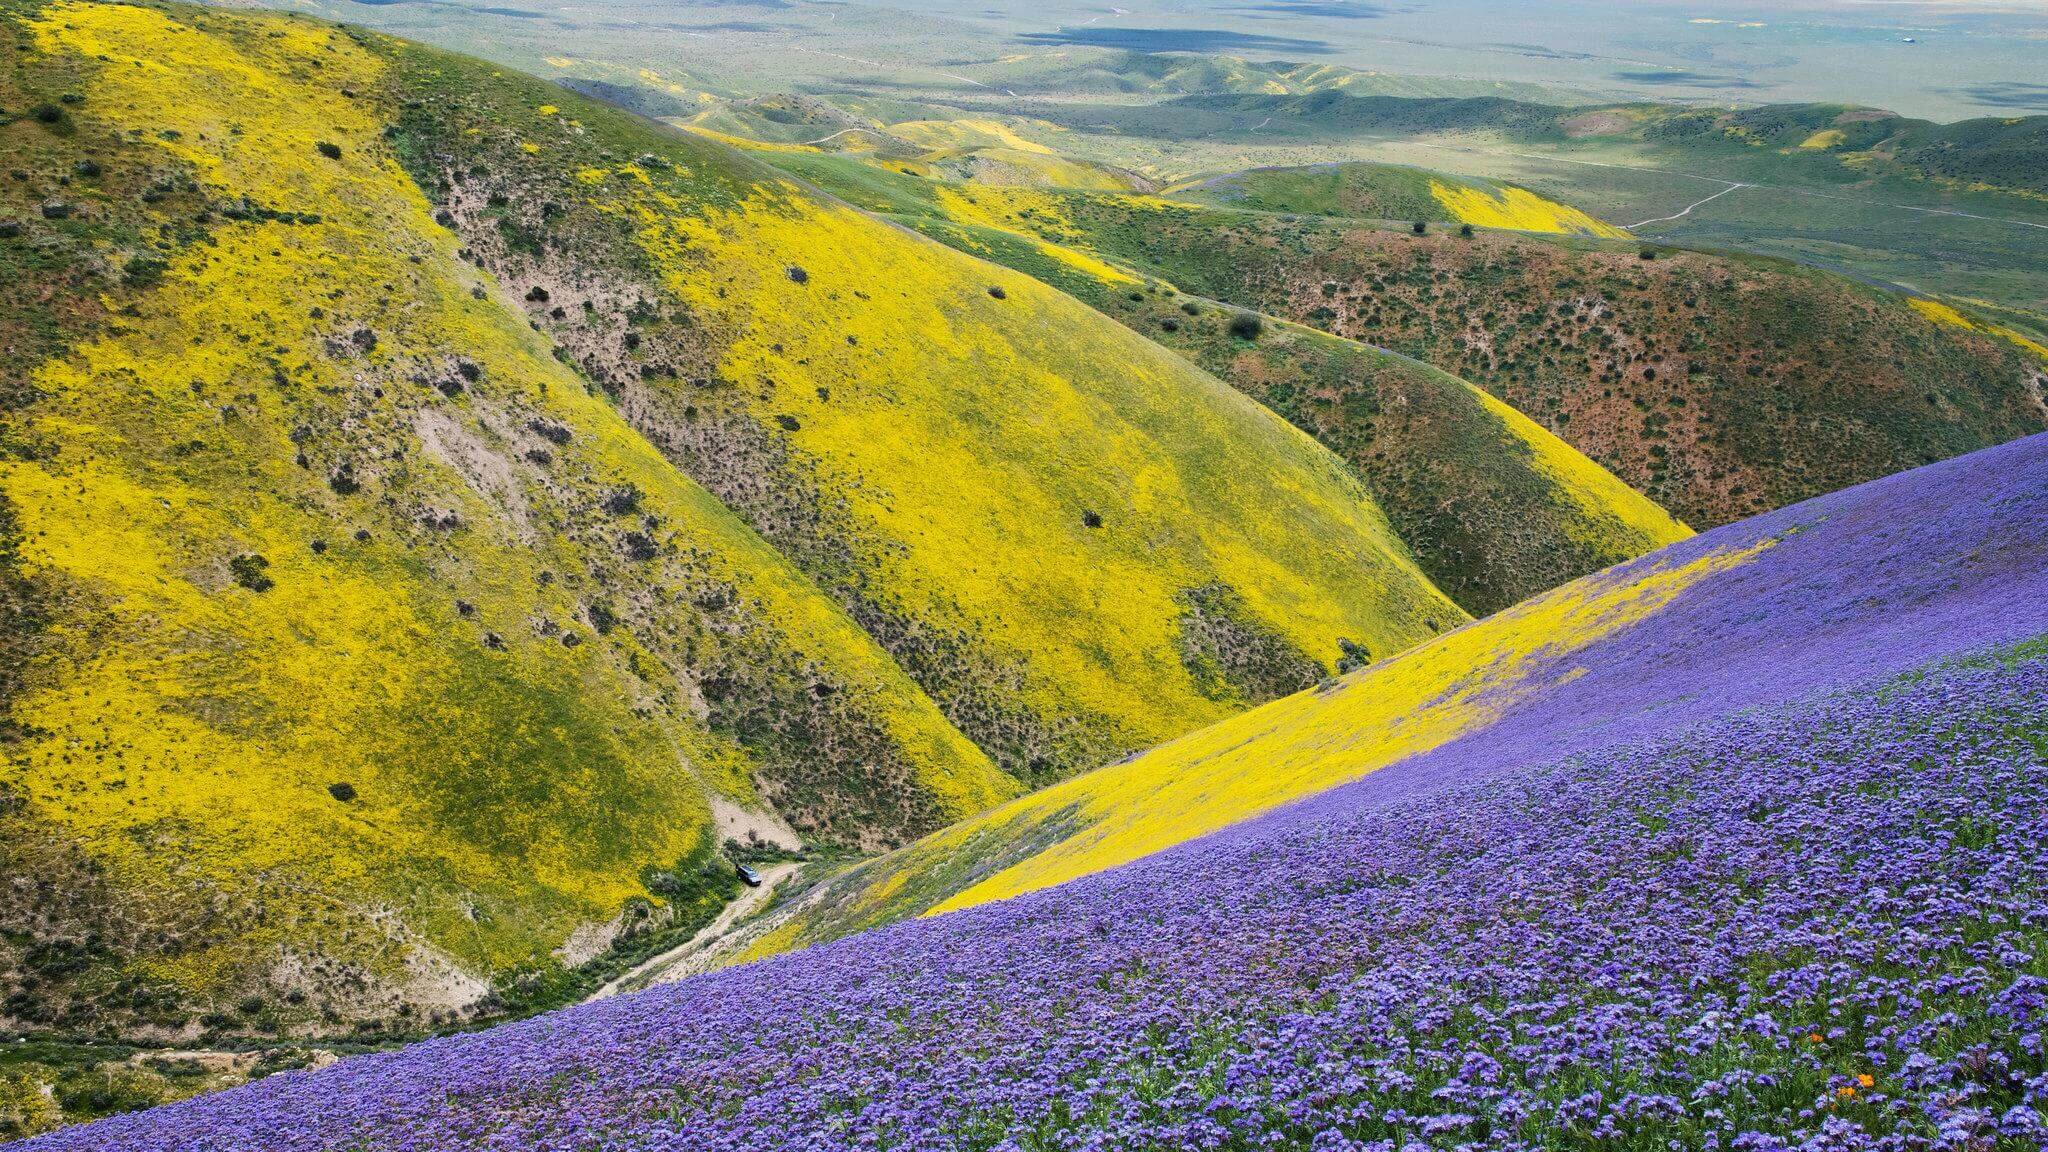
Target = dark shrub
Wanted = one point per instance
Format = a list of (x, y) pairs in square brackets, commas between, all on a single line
[(1246, 326), (1351, 656), (330, 150), (144, 271), (342, 792), (249, 572), (105, 1091), (622, 500), (798, 274), (996, 290), (1091, 519)]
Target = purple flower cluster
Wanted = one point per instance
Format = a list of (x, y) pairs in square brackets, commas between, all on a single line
[(1801, 904)]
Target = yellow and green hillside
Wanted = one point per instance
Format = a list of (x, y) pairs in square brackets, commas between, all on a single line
[(1718, 385), (438, 511), (1494, 507), (1368, 191), (974, 149), (377, 656), (1077, 542)]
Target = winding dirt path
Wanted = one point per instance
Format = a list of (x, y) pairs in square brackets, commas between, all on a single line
[(672, 964)]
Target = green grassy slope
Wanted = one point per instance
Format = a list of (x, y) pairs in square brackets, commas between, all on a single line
[(1078, 543), (1391, 192), (1495, 508), (1718, 385), (1823, 142), (1949, 208), (1363, 191), (371, 655)]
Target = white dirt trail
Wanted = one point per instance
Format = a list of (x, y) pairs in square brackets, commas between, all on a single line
[(1687, 211), (672, 964)]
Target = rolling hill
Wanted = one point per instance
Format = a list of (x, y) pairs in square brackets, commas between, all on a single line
[(443, 514), (1494, 507), (347, 605), (1075, 541), (1773, 882), (1871, 582), (1366, 191), (1832, 142), (1950, 209), (1719, 385)]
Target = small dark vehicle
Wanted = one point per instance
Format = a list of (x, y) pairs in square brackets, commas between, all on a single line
[(748, 876)]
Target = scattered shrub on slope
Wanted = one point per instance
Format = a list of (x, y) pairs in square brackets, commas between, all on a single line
[(923, 448), (1812, 924), (1719, 386), (441, 741), (1495, 508)]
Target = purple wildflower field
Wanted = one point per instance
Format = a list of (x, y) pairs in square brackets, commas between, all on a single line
[(1777, 881)]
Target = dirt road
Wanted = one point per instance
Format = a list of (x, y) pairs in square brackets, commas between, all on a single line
[(674, 963)]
